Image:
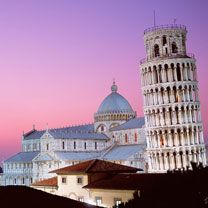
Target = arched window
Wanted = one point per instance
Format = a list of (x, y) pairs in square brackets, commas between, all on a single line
[(85, 145), (164, 40), (102, 128), (135, 137), (75, 145), (174, 48), (178, 71), (126, 138), (156, 50), (47, 146), (95, 145)]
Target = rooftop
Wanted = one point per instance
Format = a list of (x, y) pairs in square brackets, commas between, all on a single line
[(122, 152), (95, 166), (134, 123), (114, 102), (47, 182), (126, 181), (77, 155), (23, 157), (73, 132)]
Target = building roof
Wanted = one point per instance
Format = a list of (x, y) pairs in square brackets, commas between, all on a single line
[(126, 181), (77, 135), (78, 155), (23, 157), (134, 123), (95, 166), (114, 102), (47, 182), (122, 152), (72, 132)]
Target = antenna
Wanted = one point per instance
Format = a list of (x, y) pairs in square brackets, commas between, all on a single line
[(154, 19)]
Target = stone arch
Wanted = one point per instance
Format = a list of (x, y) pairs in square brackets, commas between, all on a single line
[(156, 50), (164, 40), (167, 79), (101, 128), (155, 75), (172, 69), (178, 72), (72, 195), (160, 73), (188, 72), (174, 47)]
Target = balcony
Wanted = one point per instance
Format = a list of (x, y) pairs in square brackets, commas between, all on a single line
[(188, 55), (170, 26)]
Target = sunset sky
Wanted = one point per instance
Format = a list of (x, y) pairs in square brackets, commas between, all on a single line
[(58, 58)]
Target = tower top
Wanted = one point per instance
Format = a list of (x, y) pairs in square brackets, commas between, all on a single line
[(166, 27)]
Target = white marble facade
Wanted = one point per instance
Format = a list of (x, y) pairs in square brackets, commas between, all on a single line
[(174, 129)]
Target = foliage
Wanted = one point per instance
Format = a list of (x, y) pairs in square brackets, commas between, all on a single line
[(178, 188)]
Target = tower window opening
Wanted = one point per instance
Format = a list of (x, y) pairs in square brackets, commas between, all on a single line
[(156, 50), (47, 146), (63, 145), (164, 40), (155, 73), (161, 142), (178, 71), (173, 74), (174, 48)]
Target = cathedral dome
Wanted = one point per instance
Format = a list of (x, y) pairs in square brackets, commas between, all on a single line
[(113, 111), (114, 103)]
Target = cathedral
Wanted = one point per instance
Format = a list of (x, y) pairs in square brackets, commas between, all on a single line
[(170, 136), (116, 135)]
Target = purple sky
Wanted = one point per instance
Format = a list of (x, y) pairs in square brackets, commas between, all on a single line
[(58, 58)]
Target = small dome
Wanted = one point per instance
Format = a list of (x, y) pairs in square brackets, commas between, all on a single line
[(114, 102)]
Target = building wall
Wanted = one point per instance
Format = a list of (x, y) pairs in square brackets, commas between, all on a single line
[(18, 173), (1, 179), (51, 144), (48, 189), (129, 136), (71, 188), (109, 196)]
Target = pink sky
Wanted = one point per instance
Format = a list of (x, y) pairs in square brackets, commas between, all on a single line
[(58, 58)]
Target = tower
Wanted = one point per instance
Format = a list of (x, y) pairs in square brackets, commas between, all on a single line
[(171, 104)]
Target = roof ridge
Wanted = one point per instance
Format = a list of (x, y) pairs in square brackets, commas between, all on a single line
[(92, 163), (30, 132)]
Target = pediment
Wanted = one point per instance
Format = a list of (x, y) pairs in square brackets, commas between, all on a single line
[(43, 157)]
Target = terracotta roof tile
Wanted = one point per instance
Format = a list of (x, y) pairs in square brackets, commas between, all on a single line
[(126, 181), (47, 182), (95, 166)]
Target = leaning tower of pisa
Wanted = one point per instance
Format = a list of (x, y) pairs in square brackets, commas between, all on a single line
[(171, 104)]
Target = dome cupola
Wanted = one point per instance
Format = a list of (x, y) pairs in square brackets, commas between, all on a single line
[(114, 109)]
